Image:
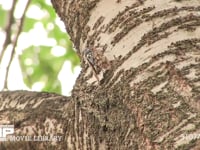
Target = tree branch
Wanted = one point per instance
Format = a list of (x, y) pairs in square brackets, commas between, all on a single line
[(8, 29), (15, 43)]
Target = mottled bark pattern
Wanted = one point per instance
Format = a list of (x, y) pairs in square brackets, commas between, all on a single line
[(35, 114), (152, 91), (150, 98)]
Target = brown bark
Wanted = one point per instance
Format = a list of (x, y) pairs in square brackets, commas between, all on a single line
[(148, 99)]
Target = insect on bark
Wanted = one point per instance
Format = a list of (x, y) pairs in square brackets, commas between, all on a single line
[(97, 61)]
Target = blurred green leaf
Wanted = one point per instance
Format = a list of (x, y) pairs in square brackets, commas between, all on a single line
[(3, 17), (45, 67), (42, 4), (56, 32), (29, 24), (38, 64)]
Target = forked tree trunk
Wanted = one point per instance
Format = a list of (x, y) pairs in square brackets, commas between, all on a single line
[(148, 99)]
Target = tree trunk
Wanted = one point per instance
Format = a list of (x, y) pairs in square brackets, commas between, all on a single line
[(149, 96)]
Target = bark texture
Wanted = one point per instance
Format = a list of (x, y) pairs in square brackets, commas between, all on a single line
[(149, 99)]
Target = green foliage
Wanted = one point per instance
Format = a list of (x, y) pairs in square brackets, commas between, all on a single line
[(3, 17), (44, 67), (38, 64), (29, 24)]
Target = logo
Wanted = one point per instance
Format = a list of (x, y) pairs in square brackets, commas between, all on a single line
[(5, 130)]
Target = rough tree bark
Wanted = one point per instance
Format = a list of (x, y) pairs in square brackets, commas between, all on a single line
[(148, 99)]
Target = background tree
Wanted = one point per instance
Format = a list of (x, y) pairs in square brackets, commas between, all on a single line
[(41, 56), (148, 99)]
